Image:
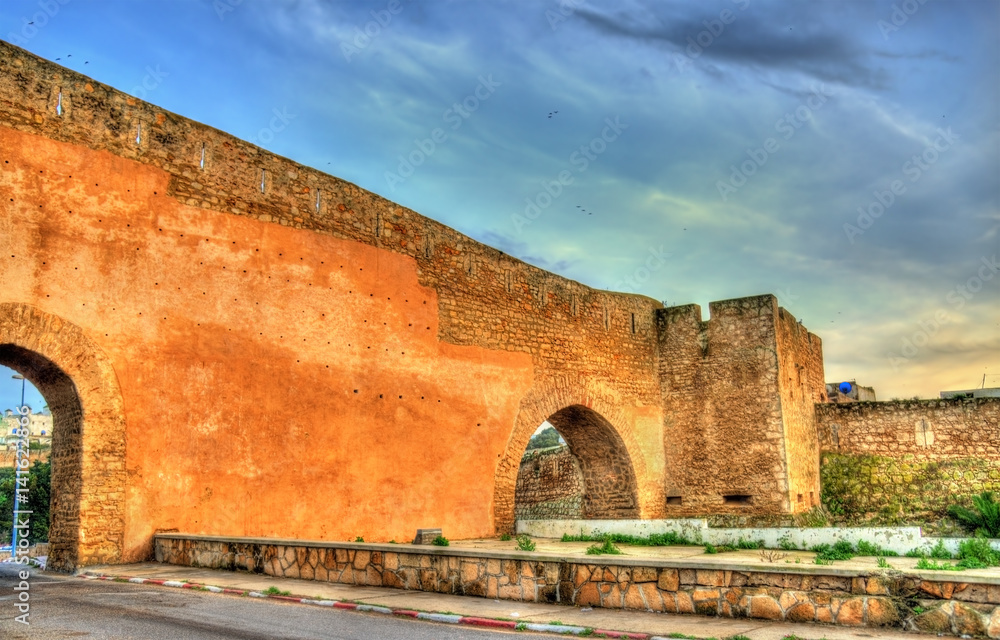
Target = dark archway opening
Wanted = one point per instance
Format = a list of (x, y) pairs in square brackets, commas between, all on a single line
[(591, 477), (63, 401)]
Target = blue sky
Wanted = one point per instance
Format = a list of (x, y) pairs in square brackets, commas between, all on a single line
[(842, 155)]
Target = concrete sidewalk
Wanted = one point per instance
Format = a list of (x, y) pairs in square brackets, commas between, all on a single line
[(481, 611)]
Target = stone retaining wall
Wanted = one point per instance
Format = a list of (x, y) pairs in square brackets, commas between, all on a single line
[(806, 594), (549, 485)]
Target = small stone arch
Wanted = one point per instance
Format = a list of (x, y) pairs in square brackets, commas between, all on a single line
[(77, 380), (598, 432)]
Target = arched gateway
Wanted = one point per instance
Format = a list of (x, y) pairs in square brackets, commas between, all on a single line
[(87, 519)]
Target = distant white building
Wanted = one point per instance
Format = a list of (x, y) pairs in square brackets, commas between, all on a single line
[(993, 392), (39, 429)]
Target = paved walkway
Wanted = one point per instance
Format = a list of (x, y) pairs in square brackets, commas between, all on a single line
[(482, 611)]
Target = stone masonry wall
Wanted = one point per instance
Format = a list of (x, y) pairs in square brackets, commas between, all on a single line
[(907, 459), (616, 583), (802, 385), (185, 254), (549, 486), (717, 378)]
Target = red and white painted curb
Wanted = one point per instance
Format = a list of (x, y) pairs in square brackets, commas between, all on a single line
[(448, 618)]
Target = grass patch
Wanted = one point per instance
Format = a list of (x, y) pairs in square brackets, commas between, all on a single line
[(525, 543), (841, 550), (440, 541), (504, 537), (940, 552), (652, 540), (359, 539), (275, 591), (883, 563), (934, 565), (606, 547), (866, 548)]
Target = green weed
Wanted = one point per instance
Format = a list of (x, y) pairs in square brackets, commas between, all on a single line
[(606, 547), (440, 541), (525, 543)]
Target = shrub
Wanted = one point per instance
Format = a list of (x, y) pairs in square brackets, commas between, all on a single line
[(440, 541), (841, 550), (359, 539), (607, 547), (983, 518), (749, 544), (504, 537), (525, 543), (866, 548), (787, 545), (652, 540), (940, 552), (976, 553), (710, 548), (934, 565)]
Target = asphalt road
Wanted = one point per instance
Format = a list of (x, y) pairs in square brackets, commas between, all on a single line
[(68, 607)]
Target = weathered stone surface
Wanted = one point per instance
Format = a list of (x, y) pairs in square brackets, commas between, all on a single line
[(968, 621), (934, 621), (669, 580), (802, 612), (851, 612), (882, 612), (765, 608)]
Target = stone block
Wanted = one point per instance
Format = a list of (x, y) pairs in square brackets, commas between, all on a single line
[(823, 614), (876, 586), (426, 536), (391, 561), (643, 574), (709, 578), (654, 601), (688, 577), (470, 571), (588, 596), (764, 608), (882, 612), (801, 612), (851, 612), (361, 559), (993, 625), (633, 599), (934, 621), (669, 580), (968, 621), (684, 602), (669, 602)]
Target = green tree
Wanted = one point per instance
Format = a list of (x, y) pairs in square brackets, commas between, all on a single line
[(39, 495), (548, 437)]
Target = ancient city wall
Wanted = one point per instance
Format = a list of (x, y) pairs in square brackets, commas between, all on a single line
[(263, 326), (718, 377), (549, 485), (801, 384), (907, 458)]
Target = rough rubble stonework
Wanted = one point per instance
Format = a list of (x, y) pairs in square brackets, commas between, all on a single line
[(261, 326)]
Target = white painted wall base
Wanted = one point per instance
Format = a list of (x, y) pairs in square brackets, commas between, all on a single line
[(898, 539)]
